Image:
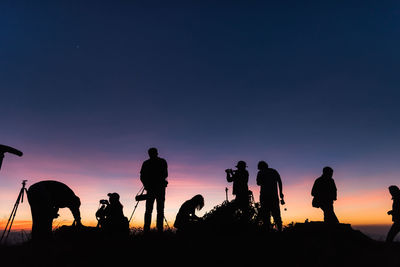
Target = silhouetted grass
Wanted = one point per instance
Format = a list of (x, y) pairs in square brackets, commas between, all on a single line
[(222, 238)]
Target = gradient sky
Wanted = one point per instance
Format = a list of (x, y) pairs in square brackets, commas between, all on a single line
[(87, 88)]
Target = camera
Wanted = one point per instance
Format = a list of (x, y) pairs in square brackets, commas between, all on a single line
[(141, 197), (229, 171), (104, 201)]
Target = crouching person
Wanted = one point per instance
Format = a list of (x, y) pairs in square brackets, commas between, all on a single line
[(111, 217), (186, 217), (45, 199)]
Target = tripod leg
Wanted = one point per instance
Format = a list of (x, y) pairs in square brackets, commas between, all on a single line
[(9, 223), (133, 212), (12, 216), (166, 222)]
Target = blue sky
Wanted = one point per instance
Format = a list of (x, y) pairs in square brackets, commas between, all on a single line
[(298, 85)]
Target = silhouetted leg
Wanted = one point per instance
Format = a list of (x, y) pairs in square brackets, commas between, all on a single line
[(42, 218), (35, 223), (394, 230), (242, 203), (149, 210), (160, 210), (266, 214), (329, 213), (276, 213), (41, 225)]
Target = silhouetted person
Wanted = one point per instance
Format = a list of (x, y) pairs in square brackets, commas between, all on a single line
[(240, 179), (395, 212), (153, 175), (111, 216), (45, 199), (269, 180), (324, 192), (186, 216)]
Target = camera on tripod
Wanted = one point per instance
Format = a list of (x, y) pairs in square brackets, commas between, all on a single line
[(141, 197)]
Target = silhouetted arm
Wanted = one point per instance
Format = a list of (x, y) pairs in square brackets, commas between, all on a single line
[(165, 169), (77, 215), (229, 177), (74, 207), (314, 189), (334, 193), (279, 185), (143, 174), (258, 179)]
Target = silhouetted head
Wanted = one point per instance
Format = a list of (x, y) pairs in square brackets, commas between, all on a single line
[(262, 165), (394, 191), (153, 153), (198, 200), (241, 165), (327, 172), (113, 197)]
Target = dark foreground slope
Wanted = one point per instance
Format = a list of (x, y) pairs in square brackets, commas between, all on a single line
[(309, 244)]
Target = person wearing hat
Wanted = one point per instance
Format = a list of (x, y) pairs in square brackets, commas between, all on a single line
[(114, 220), (240, 179)]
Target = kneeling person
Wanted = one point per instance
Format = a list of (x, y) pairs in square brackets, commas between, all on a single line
[(111, 216), (186, 216)]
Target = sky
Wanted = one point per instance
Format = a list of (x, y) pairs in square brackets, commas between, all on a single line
[(87, 87)]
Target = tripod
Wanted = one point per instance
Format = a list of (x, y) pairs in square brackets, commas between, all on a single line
[(10, 221), (137, 202), (140, 193)]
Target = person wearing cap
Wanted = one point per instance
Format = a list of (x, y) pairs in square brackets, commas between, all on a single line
[(395, 212), (114, 221), (153, 175), (270, 181), (240, 179), (325, 193)]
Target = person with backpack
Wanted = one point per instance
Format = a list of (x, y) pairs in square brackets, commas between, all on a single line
[(324, 192)]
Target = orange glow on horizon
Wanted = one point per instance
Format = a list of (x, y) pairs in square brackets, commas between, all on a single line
[(354, 205)]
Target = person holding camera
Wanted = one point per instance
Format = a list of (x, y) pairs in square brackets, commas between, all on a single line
[(153, 175), (240, 179), (395, 212), (269, 180), (325, 193), (111, 216)]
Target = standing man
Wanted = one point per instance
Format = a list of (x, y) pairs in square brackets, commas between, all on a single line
[(269, 180), (324, 192), (45, 199), (240, 179), (153, 174)]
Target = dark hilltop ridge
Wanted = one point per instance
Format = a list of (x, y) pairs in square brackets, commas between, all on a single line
[(221, 238), (301, 244)]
